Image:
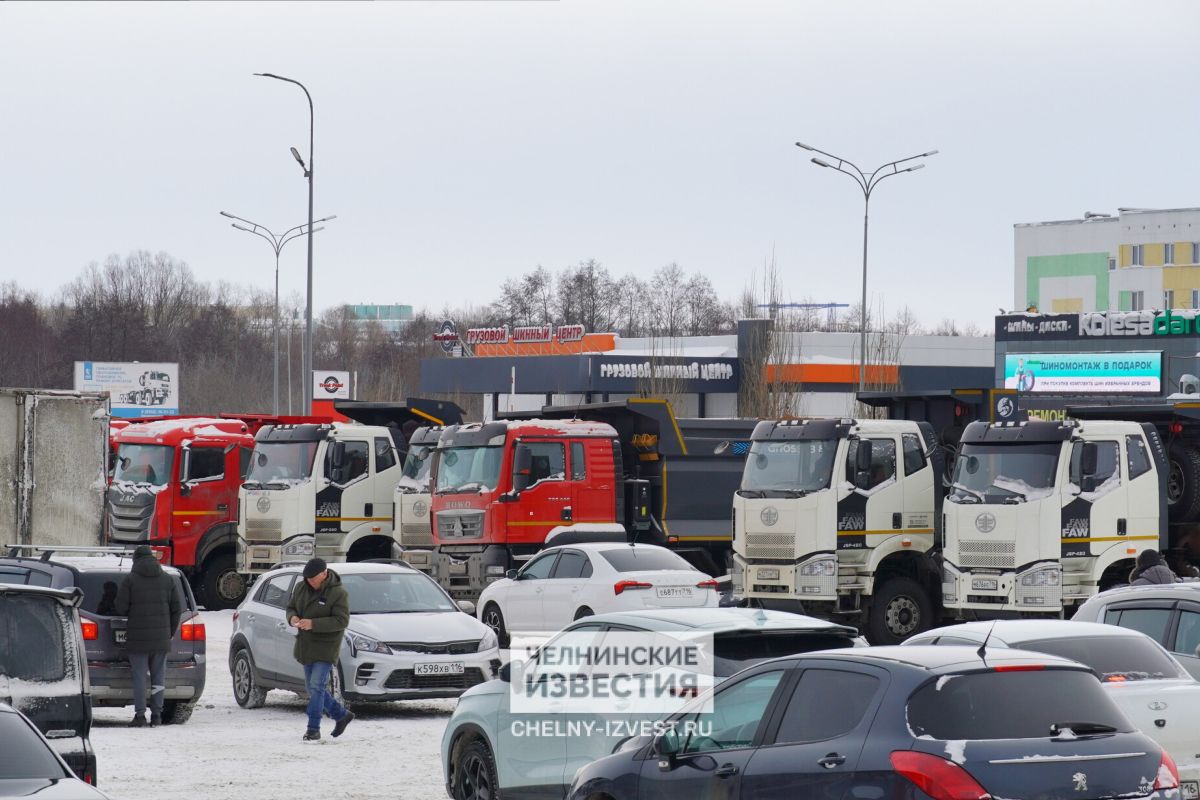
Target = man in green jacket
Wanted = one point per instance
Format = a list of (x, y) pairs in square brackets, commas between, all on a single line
[(320, 609)]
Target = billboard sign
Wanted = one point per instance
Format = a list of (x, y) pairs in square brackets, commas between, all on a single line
[(135, 389), (1083, 373), (331, 385)]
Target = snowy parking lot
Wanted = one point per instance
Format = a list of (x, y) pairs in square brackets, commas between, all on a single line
[(390, 751)]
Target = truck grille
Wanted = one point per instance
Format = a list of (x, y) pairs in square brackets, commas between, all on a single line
[(415, 534), (264, 530), (460, 524), (404, 679), (444, 648), (770, 545), (974, 553), (128, 523)]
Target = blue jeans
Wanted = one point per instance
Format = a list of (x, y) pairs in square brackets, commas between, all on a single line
[(316, 680)]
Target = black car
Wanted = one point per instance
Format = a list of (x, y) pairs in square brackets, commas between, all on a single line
[(42, 670), (29, 766), (895, 722)]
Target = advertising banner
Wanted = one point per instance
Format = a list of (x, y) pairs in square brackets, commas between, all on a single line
[(1081, 373), (134, 389), (331, 385)]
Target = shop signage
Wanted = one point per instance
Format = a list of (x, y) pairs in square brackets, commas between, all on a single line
[(529, 334), (1099, 325), (1083, 373)]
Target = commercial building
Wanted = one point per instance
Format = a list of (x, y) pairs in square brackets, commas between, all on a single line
[(1140, 259), (389, 317)]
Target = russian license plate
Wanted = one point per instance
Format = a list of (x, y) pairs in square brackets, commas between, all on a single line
[(261, 553), (986, 584), (443, 668), (1191, 790), (674, 592), (768, 573), (119, 636)]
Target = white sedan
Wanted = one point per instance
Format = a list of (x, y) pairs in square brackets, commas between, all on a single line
[(562, 584), (1153, 689)]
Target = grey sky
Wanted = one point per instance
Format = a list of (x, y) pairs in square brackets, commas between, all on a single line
[(461, 143)]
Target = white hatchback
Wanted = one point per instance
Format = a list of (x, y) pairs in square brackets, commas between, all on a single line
[(565, 583)]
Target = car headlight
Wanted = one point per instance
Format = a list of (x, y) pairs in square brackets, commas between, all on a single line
[(365, 644), (822, 566), (1041, 577), (300, 548), (488, 641)]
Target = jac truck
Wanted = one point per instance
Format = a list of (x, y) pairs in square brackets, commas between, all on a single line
[(838, 518), (327, 489), (627, 471), (412, 497)]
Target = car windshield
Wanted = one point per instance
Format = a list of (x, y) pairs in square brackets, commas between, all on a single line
[(281, 462), (24, 755), (734, 651), (1011, 705), (394, 593), (35, 636), (1005, 473), (417, 466), (463, 469), (1114, 658), (144, 463), (789, 467), (639, 559)]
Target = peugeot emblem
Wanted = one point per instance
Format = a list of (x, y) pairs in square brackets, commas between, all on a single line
[(420, 507), (263, 505), (985, 522), (1080, 781), (769, 516), (1158, 705)]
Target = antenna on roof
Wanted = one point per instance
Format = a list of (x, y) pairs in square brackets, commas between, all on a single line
[(982, 651)]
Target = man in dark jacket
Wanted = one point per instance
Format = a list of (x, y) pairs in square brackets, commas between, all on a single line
[(150, 599), (320, 609), (1150, 570)]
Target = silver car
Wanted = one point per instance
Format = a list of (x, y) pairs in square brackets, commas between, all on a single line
[(1168, 613), (407, 639)]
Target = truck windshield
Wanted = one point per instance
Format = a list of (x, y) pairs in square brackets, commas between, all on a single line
[(1005, 473), (417, 466), (144, 463), (281, 462), (469, 469), (788, 467)]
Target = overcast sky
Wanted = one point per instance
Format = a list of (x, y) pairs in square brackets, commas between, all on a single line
[(460, 143)]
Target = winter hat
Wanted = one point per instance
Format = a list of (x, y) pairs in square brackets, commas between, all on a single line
[(314, 567), (1148, 558), (143, 551)]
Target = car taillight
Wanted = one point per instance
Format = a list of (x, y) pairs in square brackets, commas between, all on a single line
[(709, 584), (1168, 773), (937, 777), (1019, 668), (621, 586), (91, 631), (192, 631)]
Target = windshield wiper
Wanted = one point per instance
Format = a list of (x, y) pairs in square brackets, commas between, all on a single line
[(474, 486), (751, 493), (252, 485), (1066, 729), (958, 487)]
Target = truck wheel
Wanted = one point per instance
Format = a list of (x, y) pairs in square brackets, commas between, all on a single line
[(223, 586), (246, 690), (177, 712), (899, 609), (1183, 483), (495, 620), (475, 773)]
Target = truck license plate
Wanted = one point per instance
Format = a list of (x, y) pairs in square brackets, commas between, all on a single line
[(768, 574), (674, 592), (985, 584), (1191, 790), (444, 668), (261, 553), (119, 636)]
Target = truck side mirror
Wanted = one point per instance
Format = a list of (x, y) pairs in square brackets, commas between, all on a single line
[(522, 468), (1089, 463), (338, 455), (185, 470), (862, 464)]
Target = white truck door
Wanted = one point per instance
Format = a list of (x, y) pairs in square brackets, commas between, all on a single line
[(918, 485), (1098, 518), (1143, 492), (876, 508), (387, 475)]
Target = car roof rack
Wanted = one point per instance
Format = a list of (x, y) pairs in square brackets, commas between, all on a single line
[(399, 562), (46, 551)]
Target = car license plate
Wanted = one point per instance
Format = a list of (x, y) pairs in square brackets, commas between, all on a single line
[(674, 592), (444, 668), (119, 636), (768, 574), (1191, 790), (986, 584)]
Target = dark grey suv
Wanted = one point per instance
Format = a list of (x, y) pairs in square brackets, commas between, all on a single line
[(99, 577)]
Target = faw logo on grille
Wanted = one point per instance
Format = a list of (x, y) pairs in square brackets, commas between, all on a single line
[(769, 516), (263, 505), (420, 507), (985, 522)]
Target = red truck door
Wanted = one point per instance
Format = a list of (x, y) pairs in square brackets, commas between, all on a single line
[(547, 501), (592, 481), (203, 498)]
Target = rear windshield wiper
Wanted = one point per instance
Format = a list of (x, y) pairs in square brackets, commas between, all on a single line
[(1067, 730)]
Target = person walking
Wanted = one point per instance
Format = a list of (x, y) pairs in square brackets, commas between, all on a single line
[(1150, 570), (150, 599), (320, 610)]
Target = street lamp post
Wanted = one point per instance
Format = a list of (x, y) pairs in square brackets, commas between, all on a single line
[(277, 242), (867, 181), (308, 173)]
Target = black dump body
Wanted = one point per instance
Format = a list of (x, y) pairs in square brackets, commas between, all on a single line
[(675, 464), (402, 418)]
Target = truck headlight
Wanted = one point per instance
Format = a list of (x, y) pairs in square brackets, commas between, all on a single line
[(301, 548), (1042, 577), (826, 567), (365, 644), (488, 641)]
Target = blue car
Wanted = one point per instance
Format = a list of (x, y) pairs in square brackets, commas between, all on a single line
[(894, 723)]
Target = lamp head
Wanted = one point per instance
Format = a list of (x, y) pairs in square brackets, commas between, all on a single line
[(803, 146), (821, 163), (299, 160)]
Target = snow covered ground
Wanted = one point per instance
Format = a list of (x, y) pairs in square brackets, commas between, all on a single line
[(389, 751)]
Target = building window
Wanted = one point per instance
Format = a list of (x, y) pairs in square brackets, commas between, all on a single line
[(1195, 298), (1137, 255), (1137, 301), (1196, 252), (1168, 254), (1169, 298), (1112, 264)]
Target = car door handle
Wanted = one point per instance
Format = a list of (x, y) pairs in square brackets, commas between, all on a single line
[(832, 760), (727, 771)]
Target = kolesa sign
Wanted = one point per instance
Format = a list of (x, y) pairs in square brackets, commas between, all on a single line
[(1071, 373), (1099, 325)]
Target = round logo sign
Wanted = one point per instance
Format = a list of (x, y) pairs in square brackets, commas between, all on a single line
[(420, 507), (447, 336), (1004, 408), (1157, 705), (263, 505), (985, 522), (769, 516), (331, 384)]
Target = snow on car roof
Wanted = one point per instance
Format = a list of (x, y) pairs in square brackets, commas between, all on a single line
[(1012, 631), (947, 658), (720, 620)]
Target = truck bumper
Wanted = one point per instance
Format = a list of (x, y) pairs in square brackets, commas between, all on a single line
[(812, 580), (419, 559), (465, 573), (994, 592), (255, 558)]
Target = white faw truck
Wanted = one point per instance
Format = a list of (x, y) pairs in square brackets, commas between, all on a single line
[(1042, 515), (839, 517), (411, 503)]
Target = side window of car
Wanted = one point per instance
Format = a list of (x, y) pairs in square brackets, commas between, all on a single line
[(578, 462), (1150, 621), (1138, 455), (385, 456), (737, 713), (276, 592), (570, 565), (914, 454), (1187, 636), (826, 703), (883, 461), (23, 575), (539, 568)]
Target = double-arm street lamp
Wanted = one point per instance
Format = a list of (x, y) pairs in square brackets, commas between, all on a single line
[(277, 242), (867, 181)]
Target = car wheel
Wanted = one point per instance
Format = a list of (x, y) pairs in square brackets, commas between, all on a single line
[(246, 690), (899, 609), (495, 620), (223, 586), (177, 712), (475, 773), (583, 612)]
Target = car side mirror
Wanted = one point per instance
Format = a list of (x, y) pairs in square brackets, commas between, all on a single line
[(511, 574), (505, 673), (467, 607), (666, 747)]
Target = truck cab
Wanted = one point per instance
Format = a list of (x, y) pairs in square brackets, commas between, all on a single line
[(1041, 515), (837, 517), (411, 501)]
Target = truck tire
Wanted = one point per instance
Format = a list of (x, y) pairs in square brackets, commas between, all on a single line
[(1183, 482), (899, 609), (222, 586), (177, 712)]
